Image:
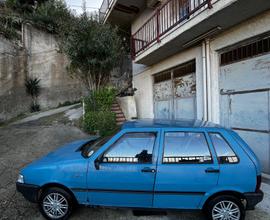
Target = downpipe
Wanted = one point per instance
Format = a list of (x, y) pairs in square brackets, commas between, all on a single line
[(206, 80)]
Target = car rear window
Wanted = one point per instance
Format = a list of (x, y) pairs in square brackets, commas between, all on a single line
[(186, 147), (224, 151)]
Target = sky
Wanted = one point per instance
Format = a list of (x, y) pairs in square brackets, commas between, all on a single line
[(91, 5)]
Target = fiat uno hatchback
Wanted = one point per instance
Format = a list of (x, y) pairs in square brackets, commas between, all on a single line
[(151, 164)]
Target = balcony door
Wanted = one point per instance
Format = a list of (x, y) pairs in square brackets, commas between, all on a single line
[(175, 93)]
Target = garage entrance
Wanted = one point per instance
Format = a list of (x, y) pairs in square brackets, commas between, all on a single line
[(245, 95), (175, 93)]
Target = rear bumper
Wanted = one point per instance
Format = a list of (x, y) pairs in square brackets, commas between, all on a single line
[(30, 192), (253, 199)]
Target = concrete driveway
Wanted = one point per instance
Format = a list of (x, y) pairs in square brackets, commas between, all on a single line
[(24, 142)]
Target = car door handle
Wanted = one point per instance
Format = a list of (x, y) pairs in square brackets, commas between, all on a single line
[(148, 170), (212, 170)]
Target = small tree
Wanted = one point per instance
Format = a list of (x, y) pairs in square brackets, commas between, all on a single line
[(33, 89), (93, 49)]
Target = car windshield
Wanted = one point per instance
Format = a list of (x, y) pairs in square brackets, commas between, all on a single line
[(92, 146)]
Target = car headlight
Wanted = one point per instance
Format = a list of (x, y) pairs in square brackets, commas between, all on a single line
[(20, 179)]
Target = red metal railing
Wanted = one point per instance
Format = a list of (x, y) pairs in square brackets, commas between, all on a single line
[(104, 8), (166, 17)]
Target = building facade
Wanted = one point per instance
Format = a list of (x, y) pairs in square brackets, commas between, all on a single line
[(201, 59)]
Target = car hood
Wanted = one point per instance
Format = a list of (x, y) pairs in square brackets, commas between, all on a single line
[(66, 152)]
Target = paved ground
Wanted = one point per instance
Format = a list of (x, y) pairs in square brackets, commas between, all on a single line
[(22, 143), (70, 110)]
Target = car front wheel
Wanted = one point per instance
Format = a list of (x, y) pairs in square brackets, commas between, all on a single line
[(225, 208), (55, 203)]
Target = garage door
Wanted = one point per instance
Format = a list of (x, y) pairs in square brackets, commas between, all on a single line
[(245, 96), (175, 93)]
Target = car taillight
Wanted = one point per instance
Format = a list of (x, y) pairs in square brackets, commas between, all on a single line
[(259, 182)]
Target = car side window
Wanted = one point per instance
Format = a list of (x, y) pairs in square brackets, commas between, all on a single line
[(131, 148), (224, 151), (186, 147)]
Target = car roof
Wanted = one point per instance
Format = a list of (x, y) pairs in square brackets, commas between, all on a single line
[(164, 123)]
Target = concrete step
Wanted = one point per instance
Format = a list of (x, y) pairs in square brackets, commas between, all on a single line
[(122, 119), (118, 111)]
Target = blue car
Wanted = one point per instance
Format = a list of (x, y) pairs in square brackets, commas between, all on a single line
[(149, 164)]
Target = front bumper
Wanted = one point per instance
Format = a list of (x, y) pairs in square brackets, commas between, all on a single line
[(30, 192), (253, 199)]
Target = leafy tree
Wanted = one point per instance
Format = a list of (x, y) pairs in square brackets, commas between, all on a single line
[(93, 49)]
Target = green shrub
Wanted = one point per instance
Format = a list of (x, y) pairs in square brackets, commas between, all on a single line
[(10, 25), (100, 122), (100, 100), (33, 89), (34, 107), (52, 15)]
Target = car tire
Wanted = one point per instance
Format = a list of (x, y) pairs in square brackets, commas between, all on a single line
[(225, 206), (55, 203)]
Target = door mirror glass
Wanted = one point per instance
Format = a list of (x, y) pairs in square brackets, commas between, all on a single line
[(90, 153)]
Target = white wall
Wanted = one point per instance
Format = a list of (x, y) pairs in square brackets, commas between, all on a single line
[(144, 81), (144, 95)]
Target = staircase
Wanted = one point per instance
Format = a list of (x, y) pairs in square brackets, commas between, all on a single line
[(120, 117)]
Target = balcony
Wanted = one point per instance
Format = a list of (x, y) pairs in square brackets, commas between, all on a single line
[(104, 9), (121, 12), (180, 24), (165, 18)]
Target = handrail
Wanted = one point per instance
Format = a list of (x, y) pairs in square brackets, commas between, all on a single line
[(165, 18)]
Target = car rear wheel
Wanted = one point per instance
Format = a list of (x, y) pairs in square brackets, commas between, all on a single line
[(55, 203), (225, 208)]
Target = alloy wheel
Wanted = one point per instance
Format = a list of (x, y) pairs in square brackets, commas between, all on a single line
[(226, 210), (55, 205)]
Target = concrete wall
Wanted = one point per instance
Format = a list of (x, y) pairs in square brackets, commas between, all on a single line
[(128, 106), (37, 57), (13, 99)]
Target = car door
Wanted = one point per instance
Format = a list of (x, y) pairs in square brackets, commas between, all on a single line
[(125, 173), (187, 169)]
